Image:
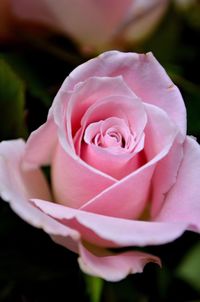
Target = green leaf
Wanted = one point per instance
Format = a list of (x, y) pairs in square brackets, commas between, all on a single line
[(191, 12), (189, 269), (12, 100), (28, 70), (43, 65), (94, 287)]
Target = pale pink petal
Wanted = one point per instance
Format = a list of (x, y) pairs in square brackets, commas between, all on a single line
[(165, 175), (127, 198), (114, 267), (30, 183), (182, 203), (41, 145), (143, 74), (166, 170), (160, 132), (74, 181), (112, 232), (17, 186)]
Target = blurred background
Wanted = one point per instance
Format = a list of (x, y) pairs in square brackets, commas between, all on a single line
[(41, 41)]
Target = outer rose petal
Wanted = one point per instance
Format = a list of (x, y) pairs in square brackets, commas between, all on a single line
[(143, 74), (165, 175), (111, 232), (182, 203), (114, 267), (14, 179), (40, 145), (17, 186)]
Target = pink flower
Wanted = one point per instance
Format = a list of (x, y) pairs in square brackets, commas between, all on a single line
[(94, 24), (123, 171)]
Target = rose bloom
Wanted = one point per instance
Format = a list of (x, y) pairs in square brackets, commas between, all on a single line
[(93, 24), (123, 172)]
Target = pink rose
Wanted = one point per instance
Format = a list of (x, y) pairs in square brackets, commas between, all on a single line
[(95, 24), (123, 171)]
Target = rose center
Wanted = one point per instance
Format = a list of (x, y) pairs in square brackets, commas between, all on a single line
[(112, 138), (112, 134)]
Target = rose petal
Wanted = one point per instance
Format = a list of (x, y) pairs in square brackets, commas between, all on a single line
[(40, 145), (165, 175), (112, 232), (160, 132), (116, 165), (17, 186), (182, 203), (74, 181), (114, 267), (126, 198), (30, 183), (143, 74)]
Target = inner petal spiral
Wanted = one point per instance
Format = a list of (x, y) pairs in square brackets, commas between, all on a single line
[(113, 135)]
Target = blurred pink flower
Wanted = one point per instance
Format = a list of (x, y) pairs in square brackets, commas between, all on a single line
[(94, 24)]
